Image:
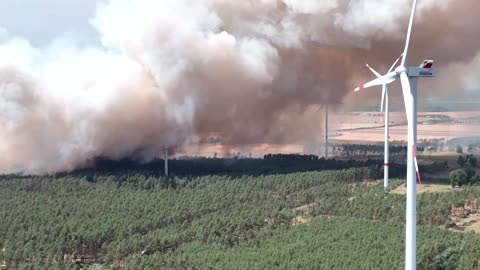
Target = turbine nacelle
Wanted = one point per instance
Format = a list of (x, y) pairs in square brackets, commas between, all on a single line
[(421, 72), (424, 70)]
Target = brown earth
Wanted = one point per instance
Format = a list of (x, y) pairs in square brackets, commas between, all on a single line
[(356, 127), (423, 189), (368, 127)]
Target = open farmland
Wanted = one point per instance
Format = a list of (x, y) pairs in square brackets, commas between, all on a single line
[(348, 128), (368, 127)]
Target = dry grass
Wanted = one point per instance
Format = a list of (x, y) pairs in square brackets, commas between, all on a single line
[(432, 188), (474, 227), (468, 224), (442, 155), (301, 220)]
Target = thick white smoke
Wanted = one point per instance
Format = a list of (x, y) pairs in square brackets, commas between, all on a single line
[(173, 70)]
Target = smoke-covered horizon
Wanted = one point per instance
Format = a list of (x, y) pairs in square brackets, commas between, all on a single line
[(169, 73)]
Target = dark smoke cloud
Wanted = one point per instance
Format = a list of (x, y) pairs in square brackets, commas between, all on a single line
[(173, 72)]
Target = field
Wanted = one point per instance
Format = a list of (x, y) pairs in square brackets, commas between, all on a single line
[(329, 219), (368, 127), (356, 128)]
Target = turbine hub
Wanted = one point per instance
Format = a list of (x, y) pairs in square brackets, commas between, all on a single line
[(400, 69)]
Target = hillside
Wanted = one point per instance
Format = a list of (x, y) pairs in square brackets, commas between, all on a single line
[(139, 221)]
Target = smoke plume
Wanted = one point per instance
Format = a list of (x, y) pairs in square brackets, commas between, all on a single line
[(173, 72)]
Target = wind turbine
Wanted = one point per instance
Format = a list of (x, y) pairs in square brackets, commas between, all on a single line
[(408, 77), (326, 132), (165, 156), (385, 100)]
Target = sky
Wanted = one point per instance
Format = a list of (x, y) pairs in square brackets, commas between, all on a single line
[(41, 21)]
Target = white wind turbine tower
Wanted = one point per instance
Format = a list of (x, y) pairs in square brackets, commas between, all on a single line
[(385, 100), (326, 132), (165, 156), (408, 77)]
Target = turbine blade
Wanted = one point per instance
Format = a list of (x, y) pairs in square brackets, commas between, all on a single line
[(386, 79), (414, 151), (374, 71), (409, 33), (407, 97), (395, 63)]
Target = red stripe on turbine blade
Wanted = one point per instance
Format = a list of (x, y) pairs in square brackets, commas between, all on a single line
[(414, 152), (419, 178), (360, 88), (386, 164)]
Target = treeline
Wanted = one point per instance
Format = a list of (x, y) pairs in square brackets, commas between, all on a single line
[(270, 164), (367, 150), (141, 221), (396, 148), (467, 174), (467, 143), (399, 148), (290, 157)]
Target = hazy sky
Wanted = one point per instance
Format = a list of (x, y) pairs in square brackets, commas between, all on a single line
[(40, 21)]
